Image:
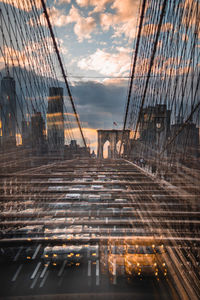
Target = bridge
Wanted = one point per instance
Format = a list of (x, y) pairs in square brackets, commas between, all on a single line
[(80, 225)]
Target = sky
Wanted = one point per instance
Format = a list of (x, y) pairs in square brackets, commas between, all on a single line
[(96, 36), (96, 39)]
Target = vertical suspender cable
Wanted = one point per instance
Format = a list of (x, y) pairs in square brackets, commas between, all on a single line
[(151, 65), (133, 72)]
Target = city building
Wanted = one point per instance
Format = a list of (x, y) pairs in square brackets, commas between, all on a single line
[(37, 132), (154, 126), (153, 132), (55, 121), (73, 145), (8, 112), (74, 150), (186, 142), (26, 133)]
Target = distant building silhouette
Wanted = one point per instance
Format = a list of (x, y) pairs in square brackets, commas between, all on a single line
[(74, 150), (154, 127), (8, 112), (73, 144), (187, 141), (26, 133), (37, 132), (55, 120), (154, 131)]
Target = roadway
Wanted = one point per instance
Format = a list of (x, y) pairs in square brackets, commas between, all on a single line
[(89, 203)]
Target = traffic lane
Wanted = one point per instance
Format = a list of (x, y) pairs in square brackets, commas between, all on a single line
[(74, 279)]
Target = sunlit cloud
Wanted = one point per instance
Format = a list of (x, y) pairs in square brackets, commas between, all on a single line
[(150, 29), (33, 52), (83, 26), (106, 63), (124, 20), (91, 137), (23, 5), (116, 81), (12, 57), (98, 5), (89, 134), (190, 6)]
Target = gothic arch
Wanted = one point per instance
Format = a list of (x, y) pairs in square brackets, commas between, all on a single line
[(113, 136)]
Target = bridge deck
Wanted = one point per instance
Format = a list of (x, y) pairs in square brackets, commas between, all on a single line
[(90, 203)]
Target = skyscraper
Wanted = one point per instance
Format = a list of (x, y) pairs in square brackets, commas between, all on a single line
[(55, 120), (37, 131), (26, 133), (8, 111)]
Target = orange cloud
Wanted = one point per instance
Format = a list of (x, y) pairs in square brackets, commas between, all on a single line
[(124, 20), (23, 5), (116, 81), (13, 57), (99, 5), (190, 17), (150, 29), (163, 66), (22, 57)]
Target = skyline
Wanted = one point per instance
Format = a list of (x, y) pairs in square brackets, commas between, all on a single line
[(96, 41), (121, 77)]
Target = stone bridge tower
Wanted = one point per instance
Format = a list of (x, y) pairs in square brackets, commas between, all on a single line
[(113, 136)]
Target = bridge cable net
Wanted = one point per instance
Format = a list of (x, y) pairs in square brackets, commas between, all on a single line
[(37, 111), (45, 211), (163, 107)]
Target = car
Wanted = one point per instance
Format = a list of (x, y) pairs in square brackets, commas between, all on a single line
[(73, 196), (94, 198), (144, 261), (58, 254), (97, 187), (120, 200), (57, 188)]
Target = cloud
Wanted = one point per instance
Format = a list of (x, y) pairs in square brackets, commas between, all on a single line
[(83, 3), (24, 5), (13, 57), (190, 17), (124, 20), (99, 5), (59, 2), (150, 29), (83, 26), (110, 64), (91, 137), (26, 57), (116, 81), (58, 17), (103, 103)]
